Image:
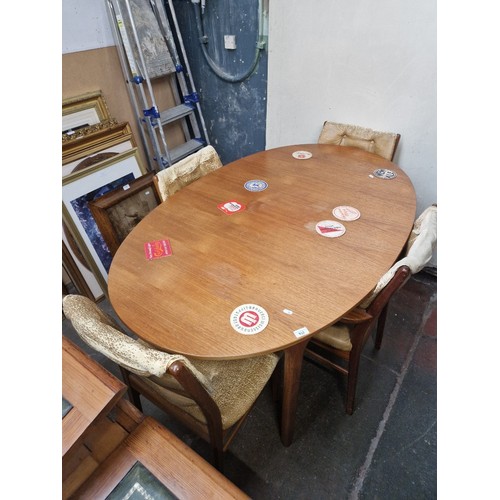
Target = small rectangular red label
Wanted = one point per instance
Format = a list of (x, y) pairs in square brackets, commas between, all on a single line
[(157, 249)]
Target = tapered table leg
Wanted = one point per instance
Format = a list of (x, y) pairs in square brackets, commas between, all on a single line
[(292, 367)]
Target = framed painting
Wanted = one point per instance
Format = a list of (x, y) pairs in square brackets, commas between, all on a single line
[(82, 187), (101, 155), (87, 145), (145, 30), (77, 269), (118, 212), (83, 111)]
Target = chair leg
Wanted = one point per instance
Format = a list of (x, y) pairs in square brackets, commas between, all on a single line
[(349, 406), (352, 380), (218, 458), (135, 398), (380, 326), (133, 395)]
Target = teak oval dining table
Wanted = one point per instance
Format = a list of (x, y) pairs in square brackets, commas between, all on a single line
[(268, 254)]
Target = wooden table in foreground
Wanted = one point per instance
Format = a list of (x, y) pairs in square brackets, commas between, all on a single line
[(89, 390), (177, 471), (268, 254)]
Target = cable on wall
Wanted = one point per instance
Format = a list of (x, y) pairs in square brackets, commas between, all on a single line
[(199, 11)]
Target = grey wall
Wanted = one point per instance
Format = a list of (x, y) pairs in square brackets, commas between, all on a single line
[(235, 113)]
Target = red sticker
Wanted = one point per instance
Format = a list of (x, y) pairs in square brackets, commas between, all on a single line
[(157, 249), (249, 319), (231, 207)]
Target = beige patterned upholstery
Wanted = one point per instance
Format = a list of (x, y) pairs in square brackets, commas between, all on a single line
[(383, 144), (233, 385), (337, 336), (185, 171), (420, 247)]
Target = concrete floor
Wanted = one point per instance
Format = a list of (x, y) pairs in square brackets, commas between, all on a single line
[(386, 450)]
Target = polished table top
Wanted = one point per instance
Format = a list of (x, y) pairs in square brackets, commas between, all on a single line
[(268, 254)]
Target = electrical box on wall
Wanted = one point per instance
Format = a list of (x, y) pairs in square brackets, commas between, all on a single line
[(230, 42)]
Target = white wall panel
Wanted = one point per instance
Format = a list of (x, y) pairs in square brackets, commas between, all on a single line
[(85, 25)]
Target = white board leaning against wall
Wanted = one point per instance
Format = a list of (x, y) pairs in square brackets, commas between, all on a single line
[(85, 26)]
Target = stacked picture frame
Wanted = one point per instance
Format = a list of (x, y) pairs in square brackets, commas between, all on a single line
[(99, 156)]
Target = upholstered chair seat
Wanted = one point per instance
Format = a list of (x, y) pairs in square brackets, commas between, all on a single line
[(224, 385), (337, 336)]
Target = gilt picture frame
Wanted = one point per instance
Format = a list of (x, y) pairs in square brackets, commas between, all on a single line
[(86, 110), (100, 155), (115, 136)]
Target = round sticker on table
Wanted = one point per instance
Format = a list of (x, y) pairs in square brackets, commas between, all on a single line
[(231, 207), (346, 213), (384, 173), (330, 228), (255, 185), (249, 319), (302, 155)]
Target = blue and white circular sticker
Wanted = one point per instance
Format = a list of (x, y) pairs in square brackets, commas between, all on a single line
[(256, 185), (249, 319)]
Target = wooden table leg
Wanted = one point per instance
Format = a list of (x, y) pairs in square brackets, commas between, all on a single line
[(292, 367)]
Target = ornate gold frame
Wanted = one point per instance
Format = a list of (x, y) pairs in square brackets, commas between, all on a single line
[(86, 111), (83, 146)]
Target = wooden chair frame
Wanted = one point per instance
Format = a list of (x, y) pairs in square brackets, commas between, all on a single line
[(347, 362), (218, 438)]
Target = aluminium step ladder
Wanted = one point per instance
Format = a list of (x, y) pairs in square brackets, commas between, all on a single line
[(152, 56)]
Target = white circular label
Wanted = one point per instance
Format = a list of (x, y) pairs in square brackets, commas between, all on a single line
[(249, 319), (384, 173), (346, 213), (330, 228), (302, 155)]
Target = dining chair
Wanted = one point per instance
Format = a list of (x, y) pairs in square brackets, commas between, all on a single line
[(383, 144), (211, 398), (187, 170), (339, 347)]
